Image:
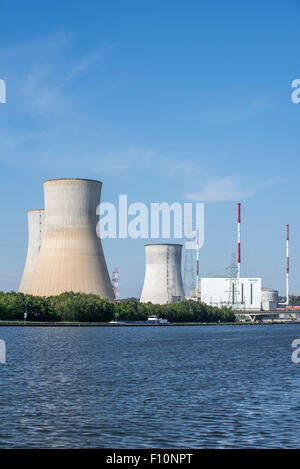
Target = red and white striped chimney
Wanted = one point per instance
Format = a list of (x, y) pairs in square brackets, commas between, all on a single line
[(239, 240)]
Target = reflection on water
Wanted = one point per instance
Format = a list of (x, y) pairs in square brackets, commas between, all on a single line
[(166, 387)]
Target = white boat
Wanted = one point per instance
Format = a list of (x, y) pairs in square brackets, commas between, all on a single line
[(151, 321), (156, 320)]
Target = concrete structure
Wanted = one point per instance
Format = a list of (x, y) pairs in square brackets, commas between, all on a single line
[(289, 315), (242, 294), (269, 299), (163, 281), (71, 256), (35, 231)]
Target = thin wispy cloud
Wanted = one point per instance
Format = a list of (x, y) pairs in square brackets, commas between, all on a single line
[(89, 60), (47, 121), (38, 73), (228, 189), (190, 167), (237, 111), (62, 128)]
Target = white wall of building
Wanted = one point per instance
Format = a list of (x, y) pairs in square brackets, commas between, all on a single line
[(246, 292)]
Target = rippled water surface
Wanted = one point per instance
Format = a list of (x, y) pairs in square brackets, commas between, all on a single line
[(136, 387)]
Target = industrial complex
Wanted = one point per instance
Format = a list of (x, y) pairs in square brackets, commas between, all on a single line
[(241, 293), (65, 254)]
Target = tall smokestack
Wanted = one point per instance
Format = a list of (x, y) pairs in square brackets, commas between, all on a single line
[(35, 231), (239, 240), (163, 281), (71, 256), (287, 263)]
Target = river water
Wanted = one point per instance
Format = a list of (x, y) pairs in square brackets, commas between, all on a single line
[(150, 387)]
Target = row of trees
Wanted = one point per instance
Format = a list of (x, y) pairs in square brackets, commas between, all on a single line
[(65, 307), (294, 300), (184, 311), (90, 308)]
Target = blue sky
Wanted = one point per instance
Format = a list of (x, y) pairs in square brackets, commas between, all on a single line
[(161, 100)]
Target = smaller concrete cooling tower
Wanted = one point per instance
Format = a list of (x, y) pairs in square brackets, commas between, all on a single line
[(163, 280), (71, 256), (35, 231)]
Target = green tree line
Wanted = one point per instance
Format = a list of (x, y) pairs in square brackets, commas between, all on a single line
[(294, 300), (91, 308)]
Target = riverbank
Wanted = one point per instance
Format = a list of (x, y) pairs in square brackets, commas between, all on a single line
[(106, 324), (82, 308)]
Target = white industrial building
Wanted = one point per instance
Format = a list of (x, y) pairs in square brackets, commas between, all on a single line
[(239, 293)]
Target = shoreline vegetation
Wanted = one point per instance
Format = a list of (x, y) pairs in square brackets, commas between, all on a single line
[(88, 309), (91, 323)]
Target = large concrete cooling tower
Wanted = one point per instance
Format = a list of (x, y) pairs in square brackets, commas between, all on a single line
[(163, 281), (35, 230), (71, 256)]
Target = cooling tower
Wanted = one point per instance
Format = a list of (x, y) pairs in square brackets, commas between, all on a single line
[(71, 256), (35, 230), (163, 281)]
